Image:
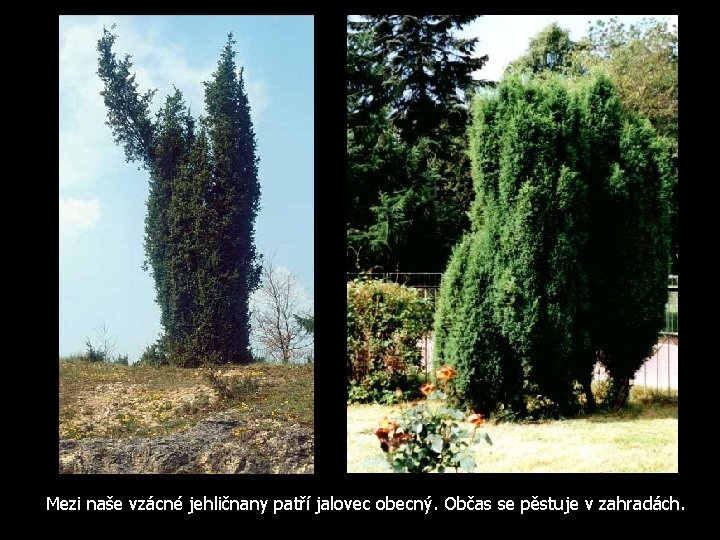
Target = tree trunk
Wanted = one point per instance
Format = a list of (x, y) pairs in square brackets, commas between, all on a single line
[(623, 393)]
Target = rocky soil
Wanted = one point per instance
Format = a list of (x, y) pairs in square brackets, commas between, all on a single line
[(217, 445), (256, 418)]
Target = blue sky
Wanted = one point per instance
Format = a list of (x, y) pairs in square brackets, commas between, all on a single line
[(102, 198)]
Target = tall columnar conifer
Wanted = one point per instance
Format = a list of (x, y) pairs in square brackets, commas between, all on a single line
[(566, 186), (201, 208)]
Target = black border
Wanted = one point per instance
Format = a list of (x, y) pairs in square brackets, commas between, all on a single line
[(330, 478)]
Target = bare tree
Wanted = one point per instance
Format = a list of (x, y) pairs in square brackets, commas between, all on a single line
[(108, 341), (276, 305)]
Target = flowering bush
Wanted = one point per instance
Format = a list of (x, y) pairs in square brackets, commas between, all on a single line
[(428, 436)]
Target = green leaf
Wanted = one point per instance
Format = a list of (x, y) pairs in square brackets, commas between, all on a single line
[(437, 394), (467, 463), (417, 427), (437, 443), (487, 439)]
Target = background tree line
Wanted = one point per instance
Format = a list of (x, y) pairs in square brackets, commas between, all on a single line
[(409, 84), (408, 180)]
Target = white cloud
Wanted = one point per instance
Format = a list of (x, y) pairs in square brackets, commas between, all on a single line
[(77, 216)]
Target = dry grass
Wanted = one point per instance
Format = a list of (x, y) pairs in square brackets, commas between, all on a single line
[(643, 438), (109, 400)]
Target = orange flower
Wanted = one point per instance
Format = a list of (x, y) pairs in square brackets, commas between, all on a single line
[(445, 373), (402, 437), (427, 388), (476, 419)]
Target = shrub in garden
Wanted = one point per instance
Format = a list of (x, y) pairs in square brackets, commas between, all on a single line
[(469, 337), (428, 436), (387, 386), (385, 321), (568, 252)]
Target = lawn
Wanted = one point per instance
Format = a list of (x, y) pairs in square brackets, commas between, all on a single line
[(641, 438)]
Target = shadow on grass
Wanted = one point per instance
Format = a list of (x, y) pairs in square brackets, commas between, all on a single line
[(636, 411)]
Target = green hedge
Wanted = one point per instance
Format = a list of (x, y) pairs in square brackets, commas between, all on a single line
[(385, 321)]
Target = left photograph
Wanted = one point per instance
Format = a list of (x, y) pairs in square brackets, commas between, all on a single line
[(186, 189)]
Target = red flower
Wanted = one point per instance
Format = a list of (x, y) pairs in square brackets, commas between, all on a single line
[(386, 426)]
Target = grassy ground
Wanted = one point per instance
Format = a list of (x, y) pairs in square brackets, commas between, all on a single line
[(110, 400), (642, 438)]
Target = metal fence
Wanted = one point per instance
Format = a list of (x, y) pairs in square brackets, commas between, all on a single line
[(659, 371)]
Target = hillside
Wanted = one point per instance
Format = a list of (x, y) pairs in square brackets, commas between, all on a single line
[(241, 419)]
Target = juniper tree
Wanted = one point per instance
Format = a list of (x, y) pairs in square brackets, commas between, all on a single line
[(201, 208), (569, 249)]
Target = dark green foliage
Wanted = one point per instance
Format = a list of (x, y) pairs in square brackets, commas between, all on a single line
[(175, 134), (154, 355), (409, 184), (201, 208), (92, 354), (568, 254), (306, 321), (629, 319), (128, 111), (427, 64), (234, 197), (488, 371), (641, 59)]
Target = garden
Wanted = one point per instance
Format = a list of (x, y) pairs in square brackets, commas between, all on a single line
[(564, 268)]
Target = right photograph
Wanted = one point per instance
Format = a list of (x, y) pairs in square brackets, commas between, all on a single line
[(512, 243)]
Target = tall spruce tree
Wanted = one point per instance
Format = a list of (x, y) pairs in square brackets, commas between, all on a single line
[(201, 208), (408, 78)]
